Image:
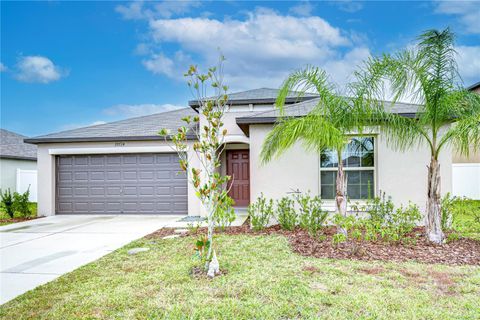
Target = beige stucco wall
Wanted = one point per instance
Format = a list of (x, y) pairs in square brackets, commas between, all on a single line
[(294, 170), (403, 175), (46, 167), (473, 157), (8, 171)]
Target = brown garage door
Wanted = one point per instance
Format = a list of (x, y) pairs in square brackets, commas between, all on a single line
[(120, 183)]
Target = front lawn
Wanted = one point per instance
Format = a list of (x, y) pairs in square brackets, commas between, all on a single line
[(467, 218), (264, 280)]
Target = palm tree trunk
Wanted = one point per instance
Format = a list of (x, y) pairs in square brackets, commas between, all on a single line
[(340, 197), (434, 213)]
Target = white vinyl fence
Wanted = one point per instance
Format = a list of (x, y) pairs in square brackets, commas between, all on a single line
[(466, 180), (26, 179)]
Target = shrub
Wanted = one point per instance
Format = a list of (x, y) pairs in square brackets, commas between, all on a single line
[(260, 213), (311, 217), (447, 206), (380, 208), (385, 223), (7, 202), (225, 214), (21, 203), (285, 213)]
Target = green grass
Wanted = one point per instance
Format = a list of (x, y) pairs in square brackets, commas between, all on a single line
[(264, 280), (467, 218), (5, 218)]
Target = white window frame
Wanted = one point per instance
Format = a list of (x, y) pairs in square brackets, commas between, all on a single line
[(345, 169)]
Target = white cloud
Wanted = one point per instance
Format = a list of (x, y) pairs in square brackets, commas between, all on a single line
[(133, 11), (167, 9), (260, 50), (3, 67), (468, 13), (349, 6), (137, 110), (159, 64), (469, 63), (303, 9), (37, 69), (138, 10)]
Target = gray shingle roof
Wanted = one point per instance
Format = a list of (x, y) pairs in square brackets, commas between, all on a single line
[(139, 128), (13, 147), (303, 108), (261, 95)]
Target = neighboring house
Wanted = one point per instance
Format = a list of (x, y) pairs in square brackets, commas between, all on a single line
[(18, 164), (466, 170), (125, 167)]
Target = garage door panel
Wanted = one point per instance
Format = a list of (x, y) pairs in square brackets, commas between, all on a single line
[(114, 175), (114, 191), (146, 175), (81, 175), (81, 191), (97, 175), (97, 160), (114, 159), (129, 175), (131, 183), (80, 161)]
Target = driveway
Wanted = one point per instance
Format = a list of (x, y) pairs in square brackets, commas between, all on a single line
[(38, 251)]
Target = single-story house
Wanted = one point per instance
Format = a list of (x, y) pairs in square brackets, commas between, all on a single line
[(18, 164), (125, 167)]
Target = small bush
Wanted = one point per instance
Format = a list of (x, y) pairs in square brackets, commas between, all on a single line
[(447, 206), (385, 222), (260, 213), (21, 203), (311, 217), (285, 213), (225, 214), (380, 208), (404, 220), (7, 202)]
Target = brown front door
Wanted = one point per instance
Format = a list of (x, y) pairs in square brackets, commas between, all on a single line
[(238, 168)]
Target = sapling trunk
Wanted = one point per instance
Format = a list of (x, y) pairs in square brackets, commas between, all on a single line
[(434, 213), (340, 197)]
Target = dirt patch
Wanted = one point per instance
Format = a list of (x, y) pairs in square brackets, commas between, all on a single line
[(311, 269), (458, 252), (200, 273), (372, 271), (443, 282)]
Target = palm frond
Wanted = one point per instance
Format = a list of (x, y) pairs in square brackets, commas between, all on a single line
[(310, 79), (315, 133)]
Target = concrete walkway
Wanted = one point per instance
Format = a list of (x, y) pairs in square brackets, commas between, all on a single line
[(38, 251)]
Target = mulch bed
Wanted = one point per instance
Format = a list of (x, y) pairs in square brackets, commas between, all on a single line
[(463, 251), (15, 220)]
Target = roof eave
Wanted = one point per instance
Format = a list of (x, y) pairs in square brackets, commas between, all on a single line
[(474, 86), (194, 103), (99, 139), (245, 122), (3, 156)]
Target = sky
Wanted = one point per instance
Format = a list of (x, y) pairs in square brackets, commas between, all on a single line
[(65, 65)]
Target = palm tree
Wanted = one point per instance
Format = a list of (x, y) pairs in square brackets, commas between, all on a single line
[(449, 114), (324, 127)]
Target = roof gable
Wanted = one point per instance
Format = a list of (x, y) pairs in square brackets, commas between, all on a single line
[(259, 96), (303, 108), (139, 128)]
